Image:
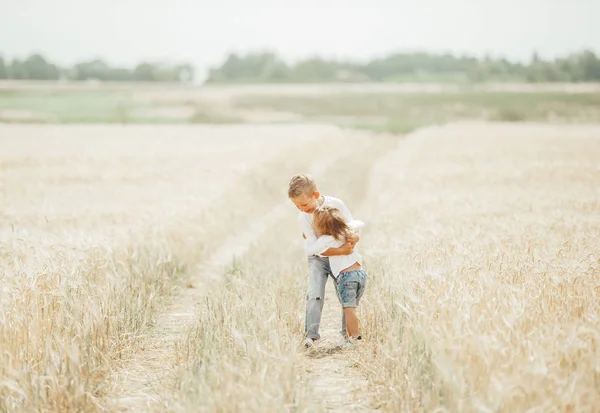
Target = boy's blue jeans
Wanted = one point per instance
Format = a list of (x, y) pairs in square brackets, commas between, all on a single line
[(318, 272)]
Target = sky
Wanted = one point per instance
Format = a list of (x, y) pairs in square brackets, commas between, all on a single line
[(125, 32)]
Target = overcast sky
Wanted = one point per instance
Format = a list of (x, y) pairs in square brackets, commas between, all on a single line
[(125, 32)]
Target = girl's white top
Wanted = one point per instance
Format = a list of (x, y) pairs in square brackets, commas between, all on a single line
[(336, 262)]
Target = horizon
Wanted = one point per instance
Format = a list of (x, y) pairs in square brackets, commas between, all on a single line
[(358, 61), (187, 31)]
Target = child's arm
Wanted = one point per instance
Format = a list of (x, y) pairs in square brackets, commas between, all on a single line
[(345, 211), (310, 243), (354, 237), (355, 225), (320, 246)]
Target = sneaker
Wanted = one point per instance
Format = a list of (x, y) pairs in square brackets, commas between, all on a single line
[(341, 342), (351, 341), (309, 342)]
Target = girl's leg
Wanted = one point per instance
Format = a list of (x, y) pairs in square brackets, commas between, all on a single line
[(343, 331), (351, 322)]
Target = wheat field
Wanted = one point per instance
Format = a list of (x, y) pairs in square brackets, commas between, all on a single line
[(160, 268)]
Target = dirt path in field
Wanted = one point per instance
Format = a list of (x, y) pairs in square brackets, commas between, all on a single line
[(337, 382), (142, 382), (335, 372)]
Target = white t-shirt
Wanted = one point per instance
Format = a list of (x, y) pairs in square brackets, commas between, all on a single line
[(337, 262), (306, 220), (313, 247)]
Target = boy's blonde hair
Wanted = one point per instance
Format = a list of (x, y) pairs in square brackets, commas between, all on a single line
[(330, 221), (301, 184)]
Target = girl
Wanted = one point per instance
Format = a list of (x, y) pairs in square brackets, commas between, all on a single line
[(351, 279)]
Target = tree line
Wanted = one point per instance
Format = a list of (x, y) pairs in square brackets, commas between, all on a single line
[(36, 67), (267, 67)]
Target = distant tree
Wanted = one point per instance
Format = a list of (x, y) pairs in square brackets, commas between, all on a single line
[(144, 72), (535, 72), (590, 66), (3, 69), (571, 68), (254, 67), (95, 69), (164, 73), (36, 67), (314, 70), (273, 69), (119, 75), (16, 70), (230, 71)]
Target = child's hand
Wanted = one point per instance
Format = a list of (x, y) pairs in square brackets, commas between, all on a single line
[(352, 238), (347, 249)]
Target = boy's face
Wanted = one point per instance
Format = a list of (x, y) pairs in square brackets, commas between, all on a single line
[(306, 202)]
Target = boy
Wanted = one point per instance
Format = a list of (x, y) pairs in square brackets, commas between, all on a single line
[(303, 193)]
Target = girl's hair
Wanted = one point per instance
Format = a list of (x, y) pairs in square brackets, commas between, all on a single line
[(330, 221)]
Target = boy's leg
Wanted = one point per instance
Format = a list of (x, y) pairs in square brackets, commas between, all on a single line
[(318, 271)]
